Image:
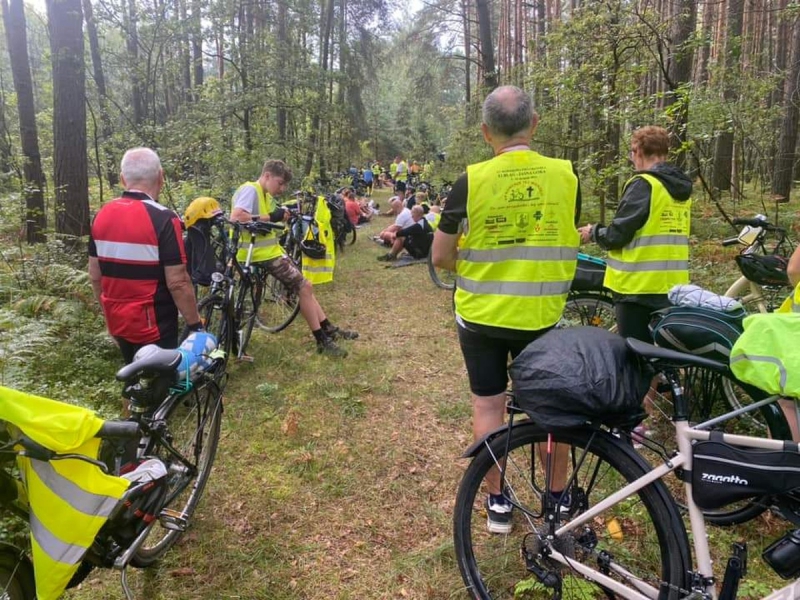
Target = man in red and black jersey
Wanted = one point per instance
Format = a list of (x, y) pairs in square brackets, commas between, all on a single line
[(137, 262)]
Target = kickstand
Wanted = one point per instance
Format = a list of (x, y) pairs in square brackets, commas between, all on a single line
[(124, 582)]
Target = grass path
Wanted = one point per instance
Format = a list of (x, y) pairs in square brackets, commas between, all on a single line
[(334, 478)]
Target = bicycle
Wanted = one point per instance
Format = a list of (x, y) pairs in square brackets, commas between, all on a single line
[(177, 424), (621, 533), (234, 302), (764, 295)]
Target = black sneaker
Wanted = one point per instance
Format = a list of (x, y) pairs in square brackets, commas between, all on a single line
[(498, 514), (388, 257), (337, 333), (328, 346), (564, 503)]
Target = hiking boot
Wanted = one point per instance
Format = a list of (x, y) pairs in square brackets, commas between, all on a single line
[(328, 347), (498, 511), (337, 333), (388, 257)]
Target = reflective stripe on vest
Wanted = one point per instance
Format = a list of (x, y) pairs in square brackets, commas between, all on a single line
[(266, 247), (517, 259), (657, 258), (78, 498), (764, 359)]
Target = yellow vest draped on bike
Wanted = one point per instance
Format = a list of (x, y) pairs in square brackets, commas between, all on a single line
[(321, 270), (266, 246), (765, 355), (69, 500), (518, 256), (657, 258)]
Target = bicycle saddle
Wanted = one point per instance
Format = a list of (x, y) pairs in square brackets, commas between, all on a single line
[(663, 357), (151, 359)]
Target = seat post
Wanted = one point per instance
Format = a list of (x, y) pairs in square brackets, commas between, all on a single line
[(680, 404)]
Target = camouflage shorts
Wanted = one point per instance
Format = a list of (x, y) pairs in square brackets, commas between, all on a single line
[(284, 270)]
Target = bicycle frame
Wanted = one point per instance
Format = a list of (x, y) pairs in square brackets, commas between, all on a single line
[(685, 434)]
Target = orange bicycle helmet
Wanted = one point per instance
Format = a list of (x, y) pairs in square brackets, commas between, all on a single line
[(203, 207)]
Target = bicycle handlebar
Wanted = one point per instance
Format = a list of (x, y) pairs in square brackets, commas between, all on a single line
[(262, 227), (119, 430), (730, 242), (752, 222)]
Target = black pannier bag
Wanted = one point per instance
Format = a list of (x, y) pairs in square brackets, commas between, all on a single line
[(577, 375), (201, 256), (589, 275), (700, 331), (723, 474)]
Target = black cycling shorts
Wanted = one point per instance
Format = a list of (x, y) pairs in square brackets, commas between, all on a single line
[(633, 318), (486, 359)]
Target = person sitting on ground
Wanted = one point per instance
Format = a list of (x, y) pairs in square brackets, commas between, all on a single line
[(403, 220), (433, 216), (351, 206), (416, 239)]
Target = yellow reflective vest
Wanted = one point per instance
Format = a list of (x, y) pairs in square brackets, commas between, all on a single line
[(266, 246), (401, 173), (765, 355), (321, 270), (69, 500), (433, 218), (517, 259), (657, 258)]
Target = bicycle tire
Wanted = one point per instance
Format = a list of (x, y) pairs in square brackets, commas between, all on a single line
[(442, 278), (250, 295), (193, 427), (707, 392), (16, 574), (596, 310), (279, 306), (214, 314), (643, 535)]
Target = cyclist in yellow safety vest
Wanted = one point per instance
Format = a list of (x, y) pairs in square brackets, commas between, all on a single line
[(647, 240), (256, 200), (514, 261)]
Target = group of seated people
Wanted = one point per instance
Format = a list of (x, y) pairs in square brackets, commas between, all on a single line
[(358, 210), (413, 227)]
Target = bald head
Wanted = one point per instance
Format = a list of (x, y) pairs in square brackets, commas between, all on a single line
[(508, 111), (417, 212), (397, 205)]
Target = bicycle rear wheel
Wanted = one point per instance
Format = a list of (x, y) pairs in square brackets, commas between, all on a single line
[(279, 306), (16, 574), (640, 542), (192, 429), (443, 278), (595, 310)]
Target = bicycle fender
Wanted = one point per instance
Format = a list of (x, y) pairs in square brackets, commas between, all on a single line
[(472, 451)]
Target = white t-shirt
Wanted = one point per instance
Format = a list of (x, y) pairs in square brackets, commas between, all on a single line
[(404, 219)]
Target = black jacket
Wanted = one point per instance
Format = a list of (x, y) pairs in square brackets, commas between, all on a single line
[(634, 207)]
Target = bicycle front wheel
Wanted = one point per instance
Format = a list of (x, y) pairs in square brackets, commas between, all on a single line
[(279, 306), (192, 430), (640, 542), (214, 314), (442, 278), (250, 295)]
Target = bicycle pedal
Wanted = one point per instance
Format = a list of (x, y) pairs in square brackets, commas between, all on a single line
[(173, 520)]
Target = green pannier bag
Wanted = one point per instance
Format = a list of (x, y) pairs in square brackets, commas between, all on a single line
[(766, 355)]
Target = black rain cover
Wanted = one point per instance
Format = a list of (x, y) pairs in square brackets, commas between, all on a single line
[(572, 376)]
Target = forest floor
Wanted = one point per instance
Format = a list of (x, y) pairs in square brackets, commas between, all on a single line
[(335, 479)]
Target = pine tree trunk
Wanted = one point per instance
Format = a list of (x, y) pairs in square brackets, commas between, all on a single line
[(782, 178), (71, 178), (490, 79), (679, 73), (17, 41)]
